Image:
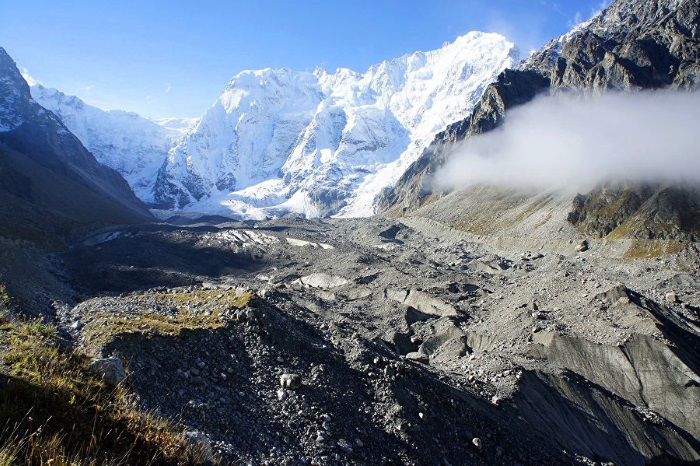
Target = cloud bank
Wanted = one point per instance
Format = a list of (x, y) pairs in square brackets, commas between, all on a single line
[(574, 142)]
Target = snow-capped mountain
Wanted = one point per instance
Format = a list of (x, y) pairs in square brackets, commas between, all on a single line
[(133, 145), (280, 141), (181, 125)]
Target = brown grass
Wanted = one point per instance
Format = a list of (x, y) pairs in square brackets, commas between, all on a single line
[(196, 310), (54, 411)]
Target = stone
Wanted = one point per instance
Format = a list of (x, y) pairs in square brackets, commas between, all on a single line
[(476, 441), (199, 448), (418, 357), (282, 394), (345, 445), (582, 246), (110, 369), (321, 437), (290, 381), (672, 298)]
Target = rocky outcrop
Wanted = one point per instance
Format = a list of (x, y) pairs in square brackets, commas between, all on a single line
[(638, 211)]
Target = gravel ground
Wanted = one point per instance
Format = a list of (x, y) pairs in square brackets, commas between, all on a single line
[(412, 345)]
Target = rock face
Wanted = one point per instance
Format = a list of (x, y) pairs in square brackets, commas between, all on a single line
[(637, 211), (631, 45), (48, 180), (280, 141)]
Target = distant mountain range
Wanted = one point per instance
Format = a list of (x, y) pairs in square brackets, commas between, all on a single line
[(279, 141), (133, 145), (341, 144)]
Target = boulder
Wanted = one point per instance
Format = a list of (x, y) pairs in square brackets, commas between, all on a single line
[(110, 369), (290, 381), (418, 357)]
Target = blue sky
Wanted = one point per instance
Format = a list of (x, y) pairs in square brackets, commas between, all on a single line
[(172, 58)]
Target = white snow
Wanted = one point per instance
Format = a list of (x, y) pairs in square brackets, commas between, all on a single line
[(133, 145), (304, 243), (279, 141), (181, 125)]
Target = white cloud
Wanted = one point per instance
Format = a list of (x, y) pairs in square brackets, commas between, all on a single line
[(600, 7), (168, 88), (567, 141), (578, 19), (28, 77)]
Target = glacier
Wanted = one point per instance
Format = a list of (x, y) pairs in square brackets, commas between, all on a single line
[(324, 144)]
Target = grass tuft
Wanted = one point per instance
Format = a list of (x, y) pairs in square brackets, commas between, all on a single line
[(55, 411)]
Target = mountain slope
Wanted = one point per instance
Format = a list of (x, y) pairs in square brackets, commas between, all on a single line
[(630, 46), (134, 146), (50, 181), (322, 144)]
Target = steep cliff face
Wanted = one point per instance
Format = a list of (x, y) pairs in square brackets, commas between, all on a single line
[(630, 46), (634, 45)]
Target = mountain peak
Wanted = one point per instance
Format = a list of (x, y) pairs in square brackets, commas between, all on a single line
[(14, 92), (317, 143)]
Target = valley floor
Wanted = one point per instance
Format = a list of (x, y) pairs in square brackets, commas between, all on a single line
[(413, 343)]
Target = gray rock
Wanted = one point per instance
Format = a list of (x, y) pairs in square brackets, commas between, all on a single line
[(476, 441), (345, 445), (582, 246), (110, 369), (672, 298), (290, 381), (418, 357), (321, 437)]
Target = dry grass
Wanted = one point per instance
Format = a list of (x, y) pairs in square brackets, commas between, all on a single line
[(651, 249), (54, 411), (188, 311), (5, 299)]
